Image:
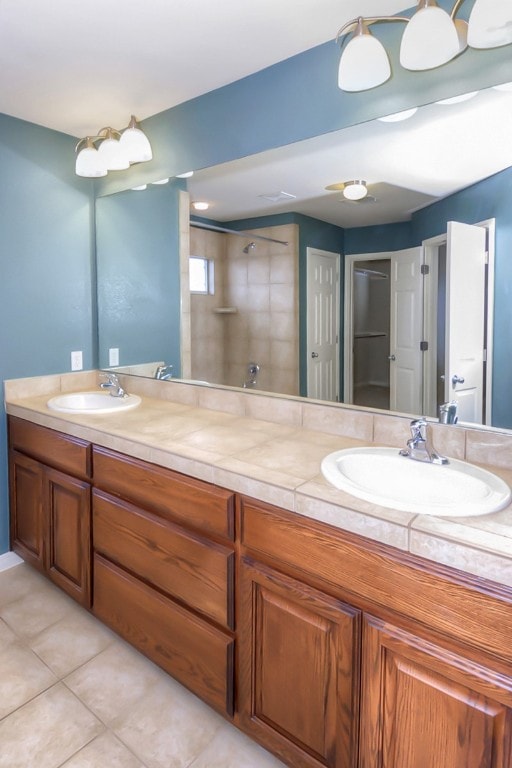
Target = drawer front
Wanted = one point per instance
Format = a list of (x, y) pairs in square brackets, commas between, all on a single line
[(195, 570), (167, 493), (69, 454), (197, 655)]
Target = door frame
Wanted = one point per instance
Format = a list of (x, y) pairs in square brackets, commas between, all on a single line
[(431, 246), (336, 257), (348, 326)]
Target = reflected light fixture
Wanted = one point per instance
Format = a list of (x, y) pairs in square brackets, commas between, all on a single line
[(398, 117), (112, 150), (354, 190), (432, 37), (200, 206)]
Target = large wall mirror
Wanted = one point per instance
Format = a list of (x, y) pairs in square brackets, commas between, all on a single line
[(300, 291)]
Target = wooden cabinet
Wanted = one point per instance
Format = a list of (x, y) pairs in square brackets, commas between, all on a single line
[(50, 509), (424, 706), (299, 675), (164, 570), (354, 654)]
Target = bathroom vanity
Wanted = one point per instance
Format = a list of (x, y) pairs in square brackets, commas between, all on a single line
[(325, 646)]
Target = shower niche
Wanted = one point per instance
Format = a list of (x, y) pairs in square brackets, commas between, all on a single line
[(371, 322)]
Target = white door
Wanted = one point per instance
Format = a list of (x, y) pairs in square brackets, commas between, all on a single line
[(406, 327), (323, 313), (465, 312)]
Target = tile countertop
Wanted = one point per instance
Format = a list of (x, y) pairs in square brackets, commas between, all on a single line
[(272, 453)]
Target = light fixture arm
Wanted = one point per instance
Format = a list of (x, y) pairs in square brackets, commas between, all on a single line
[(356, 24), (455, 8)]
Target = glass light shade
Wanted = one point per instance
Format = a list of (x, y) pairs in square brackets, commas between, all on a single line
[(112, 155), (458, 99), (135, 145), (89, 163), (430, 39), (364, 64), (506, 87), (490, 24), (355, 190)]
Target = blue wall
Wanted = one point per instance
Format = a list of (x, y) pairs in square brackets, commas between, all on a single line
[(137, 236), (46, 262)]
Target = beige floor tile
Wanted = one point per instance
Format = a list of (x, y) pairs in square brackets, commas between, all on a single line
[(19, 581), (25, 616), (22, 677), (114, 681), (104, 752), (232, 749), (71, 642), (46, 731), (7, 636), (169, 727)]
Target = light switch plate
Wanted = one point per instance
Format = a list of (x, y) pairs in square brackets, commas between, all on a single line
[(113, 356)]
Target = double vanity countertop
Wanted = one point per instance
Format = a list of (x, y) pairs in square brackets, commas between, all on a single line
[(271, 448)]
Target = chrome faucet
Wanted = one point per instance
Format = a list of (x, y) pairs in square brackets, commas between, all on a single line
[(112, 382), (163, 372), (420, 446)]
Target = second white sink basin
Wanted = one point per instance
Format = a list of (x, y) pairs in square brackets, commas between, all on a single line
[(92, 402), (382, 476)]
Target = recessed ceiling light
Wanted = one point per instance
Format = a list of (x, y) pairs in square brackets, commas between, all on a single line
[(200, 206)]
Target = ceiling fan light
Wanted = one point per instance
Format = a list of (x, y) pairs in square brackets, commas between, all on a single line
[(364, 63), (490, 24), (112, 155), (355, 190), (89, 163), (430, 39)]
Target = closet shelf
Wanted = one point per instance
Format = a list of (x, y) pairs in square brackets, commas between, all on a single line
[(370, 335)]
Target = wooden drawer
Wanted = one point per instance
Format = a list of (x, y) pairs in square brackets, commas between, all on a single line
[(189, 649), (69, 454), (194, 570), (167, 493)]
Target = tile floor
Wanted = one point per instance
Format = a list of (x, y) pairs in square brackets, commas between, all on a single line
[(74, 695)]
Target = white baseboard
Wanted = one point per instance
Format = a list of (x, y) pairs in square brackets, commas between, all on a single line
[(9, 560)]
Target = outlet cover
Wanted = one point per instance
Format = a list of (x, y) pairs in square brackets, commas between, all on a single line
[(113, 356), (76, 361)]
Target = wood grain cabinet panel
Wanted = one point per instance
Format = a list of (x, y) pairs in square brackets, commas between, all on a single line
[(299, 670), (52, 448), (26, 502), (67, 522), (193, 569), (426, 707), (190, 649), (169, 494)]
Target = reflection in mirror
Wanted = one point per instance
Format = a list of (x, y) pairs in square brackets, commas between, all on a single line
[(446, 164)]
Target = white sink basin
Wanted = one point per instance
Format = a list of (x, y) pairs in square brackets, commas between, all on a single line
[(382, 476), (92, 402)]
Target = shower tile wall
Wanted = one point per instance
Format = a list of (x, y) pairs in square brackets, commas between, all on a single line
[(263, 286)]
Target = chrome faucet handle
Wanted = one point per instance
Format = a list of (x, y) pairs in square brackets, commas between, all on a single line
[(112, 382)]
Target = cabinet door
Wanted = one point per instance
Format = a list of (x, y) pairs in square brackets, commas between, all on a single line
[(67, 522), (299, 661), (427, 707), (26, 494)]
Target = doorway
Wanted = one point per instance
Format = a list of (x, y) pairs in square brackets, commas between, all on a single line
[(323, 322)]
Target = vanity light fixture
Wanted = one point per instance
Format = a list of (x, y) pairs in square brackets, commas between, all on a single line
[(432, 37), (161, 181), (112, 150), (185, 175), (398, 117)]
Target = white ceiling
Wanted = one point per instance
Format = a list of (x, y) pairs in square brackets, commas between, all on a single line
[(77, 67)]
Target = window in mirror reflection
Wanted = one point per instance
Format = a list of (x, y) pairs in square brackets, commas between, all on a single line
[(201, 273)]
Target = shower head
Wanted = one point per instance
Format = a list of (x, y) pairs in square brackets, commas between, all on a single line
[(249, 247)]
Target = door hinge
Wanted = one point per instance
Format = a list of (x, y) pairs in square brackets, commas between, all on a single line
[(423, 346), (425, 269)]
